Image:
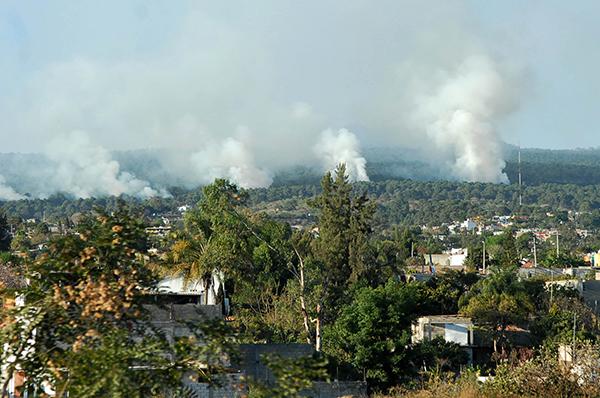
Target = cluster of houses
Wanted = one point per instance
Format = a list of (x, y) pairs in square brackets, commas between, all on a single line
[(495, 226), (471, 225), (478, 344)]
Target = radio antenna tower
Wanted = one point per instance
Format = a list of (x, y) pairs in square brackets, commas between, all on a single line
[(520, 180)]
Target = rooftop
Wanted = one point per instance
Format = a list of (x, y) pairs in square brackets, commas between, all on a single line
[(446, 319)]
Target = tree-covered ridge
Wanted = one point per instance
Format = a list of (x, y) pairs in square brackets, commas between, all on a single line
[(580, 156), (404, 202), (553, 173), (30, 174)]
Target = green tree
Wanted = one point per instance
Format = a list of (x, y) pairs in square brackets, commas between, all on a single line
[(21, 242), (444, 290), (373, 332), (438, 355), (40, 233), (503, 249), (555, 326), (265, 307), (5, 236), (215, 237), (251, 251), (474, 260), (82, 326), (392, 253), (496, 302), (342, 247), (523, 244)]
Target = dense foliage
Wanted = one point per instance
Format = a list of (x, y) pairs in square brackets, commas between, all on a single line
[(79, 326), (404, 202)]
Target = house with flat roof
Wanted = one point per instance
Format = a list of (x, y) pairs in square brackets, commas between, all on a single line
[(450, 259), (464, 332), (451, 328)]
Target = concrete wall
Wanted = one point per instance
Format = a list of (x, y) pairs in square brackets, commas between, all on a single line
[(233, 386), (229, 386), (250, 365), (251, 362), (575, 284), (183, 312), (341, 389), (171, 319)]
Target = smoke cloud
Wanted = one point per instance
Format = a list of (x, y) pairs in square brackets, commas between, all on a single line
[(400, 74), (8, 193), (458, 118), (84, 169), (335, 147), (230, 159)]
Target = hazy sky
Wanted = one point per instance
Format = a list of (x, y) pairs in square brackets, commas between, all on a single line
[(153, 73)]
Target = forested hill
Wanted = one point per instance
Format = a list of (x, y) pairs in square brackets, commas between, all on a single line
[(403, 202), (557, 173), (31, 172), (407, 191), (581, 157), (539, 166)]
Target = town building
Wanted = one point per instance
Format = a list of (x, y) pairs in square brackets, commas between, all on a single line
[(451, 328), (451, 259)]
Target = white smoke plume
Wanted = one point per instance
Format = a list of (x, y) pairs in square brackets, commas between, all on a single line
[(229, 159), (85, 169), (342, 146), (458, 118), (181, 91), (7, 192)]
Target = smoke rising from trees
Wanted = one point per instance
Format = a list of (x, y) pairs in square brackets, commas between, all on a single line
[(84, 169), (245, 96), (459, 116), (342, 147), (229, 159), (7, 192)]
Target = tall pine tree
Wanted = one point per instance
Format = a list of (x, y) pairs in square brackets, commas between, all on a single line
[(342, 248), (5, 236)]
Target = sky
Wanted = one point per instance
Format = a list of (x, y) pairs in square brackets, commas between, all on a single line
[(139, 74)]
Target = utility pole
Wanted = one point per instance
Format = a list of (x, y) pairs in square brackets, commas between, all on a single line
[(534, 253), (483, 256), (574, 332), (520, 180), (551, 285)]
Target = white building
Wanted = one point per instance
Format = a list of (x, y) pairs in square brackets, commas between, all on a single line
[(452, 328), (451, 259), (207, 293), (469, 225)]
